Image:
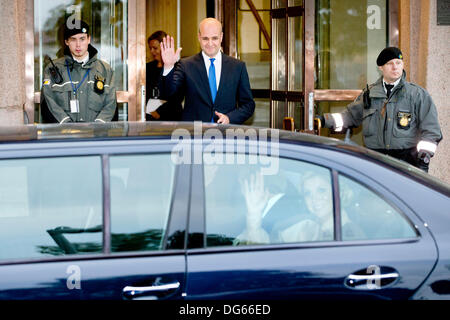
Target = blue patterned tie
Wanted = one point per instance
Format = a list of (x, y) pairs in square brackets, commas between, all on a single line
[(212, 82)]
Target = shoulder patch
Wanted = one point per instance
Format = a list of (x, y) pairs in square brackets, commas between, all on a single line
[(46, 82)]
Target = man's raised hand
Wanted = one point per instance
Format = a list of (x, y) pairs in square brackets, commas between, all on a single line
[(168, 54)]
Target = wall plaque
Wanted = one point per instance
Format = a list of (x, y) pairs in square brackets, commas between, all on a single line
[(443, 12)]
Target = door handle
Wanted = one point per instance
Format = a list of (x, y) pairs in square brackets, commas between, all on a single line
[(372, 278), (143, 103), (152, 292)]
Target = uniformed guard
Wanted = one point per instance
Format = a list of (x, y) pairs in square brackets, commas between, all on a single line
[(78, 87), (398, 117)]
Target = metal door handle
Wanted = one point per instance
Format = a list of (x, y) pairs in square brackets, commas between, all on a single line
[(362, 281), (131, 292), (311, 111)]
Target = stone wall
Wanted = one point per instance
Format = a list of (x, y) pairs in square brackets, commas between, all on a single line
[(426, 49), (430, 52), (437, 82), (12, 57)]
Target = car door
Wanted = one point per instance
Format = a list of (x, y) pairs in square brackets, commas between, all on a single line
[(90, 226), (313, 228)]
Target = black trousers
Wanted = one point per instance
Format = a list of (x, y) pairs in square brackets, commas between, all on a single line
[(408, 155)]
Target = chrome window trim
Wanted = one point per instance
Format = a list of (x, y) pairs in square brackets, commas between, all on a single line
[(90, 257), (299, 245)]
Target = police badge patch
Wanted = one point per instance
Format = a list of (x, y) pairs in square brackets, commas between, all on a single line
[(403, 119), (99, 84)]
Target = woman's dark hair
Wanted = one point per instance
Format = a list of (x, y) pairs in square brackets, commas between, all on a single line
[(157, 35)]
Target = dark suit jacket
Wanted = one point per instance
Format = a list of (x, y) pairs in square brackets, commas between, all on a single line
[(234, 97)]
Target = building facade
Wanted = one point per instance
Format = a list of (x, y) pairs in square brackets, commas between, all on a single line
[(303, 56)]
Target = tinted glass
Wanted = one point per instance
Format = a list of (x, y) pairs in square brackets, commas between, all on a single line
[(349, 36), (253, 48), (295, 54), (296, 108), (261, 116), (293, 3), (279, 56), (365, 215), (248, 204), (278, 4), (278, 113), (50, 207), (141, 192)]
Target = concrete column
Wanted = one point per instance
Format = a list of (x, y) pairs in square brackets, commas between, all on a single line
[(436, 56), (427, 52), (404, 24), (12, 57)]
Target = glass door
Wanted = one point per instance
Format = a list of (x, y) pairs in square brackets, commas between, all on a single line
[(323, 54), (253, 46), (287, 77), (114, 28), (348, 37)]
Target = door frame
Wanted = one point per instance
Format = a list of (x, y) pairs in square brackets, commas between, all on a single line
[(344, 94), (309, 62), (226, 13)]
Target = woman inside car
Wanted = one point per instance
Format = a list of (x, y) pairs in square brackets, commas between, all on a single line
[(312, 221)]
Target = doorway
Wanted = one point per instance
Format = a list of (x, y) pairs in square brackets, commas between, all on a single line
[(318, 54), (297, 60), (179, 19), (112, 34)]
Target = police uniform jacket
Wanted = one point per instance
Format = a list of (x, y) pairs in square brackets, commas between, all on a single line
[(399, 122), (96, 94)]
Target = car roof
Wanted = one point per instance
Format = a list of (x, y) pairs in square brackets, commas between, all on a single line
[(94, 130), (164, 130)]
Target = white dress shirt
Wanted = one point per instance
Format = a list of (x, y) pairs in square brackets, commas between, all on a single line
[(217, 66)]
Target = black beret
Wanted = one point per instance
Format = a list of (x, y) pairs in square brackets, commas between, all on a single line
[(388, 54), (78, 26)]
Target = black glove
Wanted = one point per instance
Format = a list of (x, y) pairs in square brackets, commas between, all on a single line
[(424, 156), (322, 120)]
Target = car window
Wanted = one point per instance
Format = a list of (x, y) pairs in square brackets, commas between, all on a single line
[(141, 192), (50, 207), (366, 216), (246, 204)]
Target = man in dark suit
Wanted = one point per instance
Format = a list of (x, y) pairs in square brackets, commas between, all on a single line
[(216, 87)]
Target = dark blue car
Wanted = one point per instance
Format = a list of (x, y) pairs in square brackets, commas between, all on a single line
[(185, 211)]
